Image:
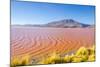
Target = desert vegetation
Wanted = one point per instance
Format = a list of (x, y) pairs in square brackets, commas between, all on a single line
[(16, 61), (83, 54)]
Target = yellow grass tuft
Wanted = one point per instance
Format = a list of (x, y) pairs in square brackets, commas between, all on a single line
[(82, 55), (82, 51), (91, 58), (53, 59), (16, 61)]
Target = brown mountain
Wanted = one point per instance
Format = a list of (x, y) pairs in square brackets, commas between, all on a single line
[(65, 23)]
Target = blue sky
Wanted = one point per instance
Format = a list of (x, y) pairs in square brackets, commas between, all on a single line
[(41, 13)]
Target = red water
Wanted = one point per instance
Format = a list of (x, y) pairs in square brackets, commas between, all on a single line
[(38, 42)]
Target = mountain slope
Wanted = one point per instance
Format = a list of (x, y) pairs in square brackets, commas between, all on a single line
[(65, 23)]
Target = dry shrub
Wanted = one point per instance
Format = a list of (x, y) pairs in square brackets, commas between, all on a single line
[(91, 58), (83, 54), (53, 59), (16, 61), (91, 54), (82, 51), (68, 58), (86, 54)]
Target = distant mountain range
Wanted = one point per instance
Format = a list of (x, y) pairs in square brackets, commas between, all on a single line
[(65, 23)]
